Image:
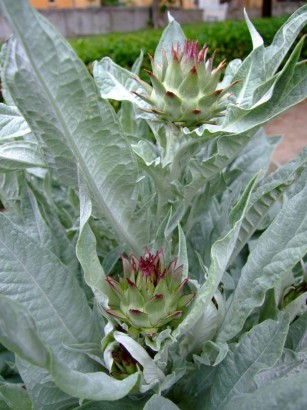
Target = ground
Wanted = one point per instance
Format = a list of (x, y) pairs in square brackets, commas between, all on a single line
[(292, 125)]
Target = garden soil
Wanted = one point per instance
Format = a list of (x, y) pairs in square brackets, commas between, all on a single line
[(292, 125)]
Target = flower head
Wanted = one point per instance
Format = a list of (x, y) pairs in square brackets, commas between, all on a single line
[(149, 296), (184, 87), (123, 363)]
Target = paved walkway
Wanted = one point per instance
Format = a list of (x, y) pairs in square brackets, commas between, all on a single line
[(293, 126)]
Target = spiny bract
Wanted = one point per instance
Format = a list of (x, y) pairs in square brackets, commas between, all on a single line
[(184, 89), (149, 296)]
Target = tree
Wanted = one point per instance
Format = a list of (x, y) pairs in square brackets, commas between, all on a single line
[(266, 8)]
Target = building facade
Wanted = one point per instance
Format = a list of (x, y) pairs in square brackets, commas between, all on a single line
[(64, 4)]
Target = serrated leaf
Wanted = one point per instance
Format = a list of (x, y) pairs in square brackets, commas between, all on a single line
[(258, 349), (284, 38), (286, 89), (268, 192), (278, 249), (290, 363), (220, 254), (59, 99), (286, 393), (34, 277)]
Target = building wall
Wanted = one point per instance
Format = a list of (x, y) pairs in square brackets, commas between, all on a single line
[(187, 4), (78, 22), (64, 4)]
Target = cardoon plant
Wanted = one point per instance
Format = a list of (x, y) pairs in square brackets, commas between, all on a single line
[(149, 257)]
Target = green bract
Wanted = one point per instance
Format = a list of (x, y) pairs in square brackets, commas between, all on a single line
[(215, 319), (184, 87), (149, 296)]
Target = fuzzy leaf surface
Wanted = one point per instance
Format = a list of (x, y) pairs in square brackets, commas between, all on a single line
[(59, 99), (278, 249), (257, 350)]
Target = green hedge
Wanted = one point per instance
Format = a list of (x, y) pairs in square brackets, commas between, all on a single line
[(231, 40)]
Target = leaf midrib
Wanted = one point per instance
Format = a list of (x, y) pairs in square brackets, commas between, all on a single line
[(93, 187)]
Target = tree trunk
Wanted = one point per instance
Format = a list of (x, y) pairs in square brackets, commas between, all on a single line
[(266, 8), (155, 13)]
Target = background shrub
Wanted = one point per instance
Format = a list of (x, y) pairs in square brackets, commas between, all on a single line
[(231, 39)]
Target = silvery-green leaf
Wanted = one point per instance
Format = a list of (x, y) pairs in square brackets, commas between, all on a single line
[(12, 124), (297, 336), (57, 96), (286, 90), (230, 71), (115, 82), (297, 307), (212, 354), (18, 333), (161, 238), (132, 125), (147, 151), (284, 38), (137, 65), (278, 249), (227, 148), (255, 156), (286, 393), (151, 372), (111, 259), (91, 386), (290, 363), (42, 121), (135, 403), (41, 222), (182, 253), (250, 74), (44, 394), (19, 155), (86, 248), (268, 192), (173, 32), (220, 254), (157, 402), (4, 90), (258, 349), (256, 38), (15, 396), (91, 349), (10, 190), (35, 277)]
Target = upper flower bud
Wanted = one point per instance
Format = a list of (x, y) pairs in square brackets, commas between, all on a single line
[(149, 296), (184, 87)]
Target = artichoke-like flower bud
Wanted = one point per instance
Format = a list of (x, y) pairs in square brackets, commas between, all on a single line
[(149, 297), (123, 363), (184, 87)]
